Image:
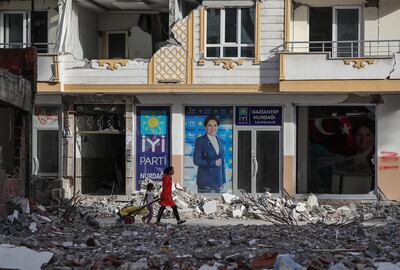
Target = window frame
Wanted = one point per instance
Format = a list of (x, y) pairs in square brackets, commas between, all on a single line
[(25, 31), (222, 44), (335, 28)]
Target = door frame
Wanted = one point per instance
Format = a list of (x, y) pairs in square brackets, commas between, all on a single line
[(334, 27), (253, 130), (35, 129)]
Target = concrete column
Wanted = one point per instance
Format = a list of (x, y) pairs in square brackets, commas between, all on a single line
[(177, 141), (129, 135)]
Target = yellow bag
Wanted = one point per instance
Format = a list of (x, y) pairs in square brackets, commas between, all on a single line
[(129, 210)]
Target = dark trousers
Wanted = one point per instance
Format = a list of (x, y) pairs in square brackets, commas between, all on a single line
[(174, 209)]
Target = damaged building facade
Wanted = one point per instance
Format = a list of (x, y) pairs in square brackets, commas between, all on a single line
[(302, 95), (17, 79)]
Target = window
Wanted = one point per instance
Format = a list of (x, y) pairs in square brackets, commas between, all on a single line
[(40, 31), (230, 33), (117, 45), (15, 29), (335, 30)]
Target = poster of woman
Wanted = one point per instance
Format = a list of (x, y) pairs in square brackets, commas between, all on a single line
[(208, 149)]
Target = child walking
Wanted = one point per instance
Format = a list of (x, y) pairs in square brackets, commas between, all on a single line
[(148, 198), (166, 196)]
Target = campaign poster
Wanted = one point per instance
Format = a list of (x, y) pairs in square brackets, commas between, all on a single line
[(152, 143), (208, 148)]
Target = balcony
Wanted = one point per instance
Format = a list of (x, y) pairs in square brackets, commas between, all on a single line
[(47, 62), (340, 60)]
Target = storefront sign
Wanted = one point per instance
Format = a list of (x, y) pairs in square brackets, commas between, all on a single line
[(208, 164), (152, 143), (258, 116)]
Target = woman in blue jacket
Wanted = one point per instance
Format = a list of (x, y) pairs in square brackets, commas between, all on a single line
[(209, 157)]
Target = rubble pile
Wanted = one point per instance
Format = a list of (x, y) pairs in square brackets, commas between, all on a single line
[(267, 206), (26, 217), (68, 237), (219, 247)]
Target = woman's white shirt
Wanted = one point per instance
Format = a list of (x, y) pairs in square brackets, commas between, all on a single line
[(214, 142)]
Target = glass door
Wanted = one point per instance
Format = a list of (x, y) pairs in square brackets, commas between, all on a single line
[(45, 142), (258, 164), (346, 24), (267, 161)]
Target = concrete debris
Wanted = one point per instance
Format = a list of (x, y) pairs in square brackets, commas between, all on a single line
[(286, 262), (312, 201), (19, 204), (210, 207), (338, 237), (387, 266), (33, 227), (228, 198), (14, 257), (339, 266)]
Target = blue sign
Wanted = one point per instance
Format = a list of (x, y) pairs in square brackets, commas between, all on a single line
[(152, 143), (258, 116)]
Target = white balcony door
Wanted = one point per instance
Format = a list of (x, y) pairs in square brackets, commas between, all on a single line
[(346, 27), (14, 29)]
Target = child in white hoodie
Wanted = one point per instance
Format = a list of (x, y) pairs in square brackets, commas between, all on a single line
[(148, 199)]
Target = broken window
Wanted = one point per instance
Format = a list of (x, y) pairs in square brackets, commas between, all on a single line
[(336, 149), (230, 32)]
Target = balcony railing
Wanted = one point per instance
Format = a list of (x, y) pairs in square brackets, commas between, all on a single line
[(40, 47), (346, 49)]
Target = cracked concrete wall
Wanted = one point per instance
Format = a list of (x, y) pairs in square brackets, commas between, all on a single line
[(395, 72)]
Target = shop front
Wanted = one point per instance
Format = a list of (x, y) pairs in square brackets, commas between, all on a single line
[(233, 149), (336, 149)]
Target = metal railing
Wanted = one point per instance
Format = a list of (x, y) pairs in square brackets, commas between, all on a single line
[(40, 47), (345, 49)]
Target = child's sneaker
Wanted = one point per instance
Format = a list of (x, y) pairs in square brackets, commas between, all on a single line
[(181, 221)]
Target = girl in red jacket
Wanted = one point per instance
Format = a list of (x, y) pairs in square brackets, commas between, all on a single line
[(166, 196)]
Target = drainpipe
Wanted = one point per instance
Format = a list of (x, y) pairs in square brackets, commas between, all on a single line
[(32, 21)]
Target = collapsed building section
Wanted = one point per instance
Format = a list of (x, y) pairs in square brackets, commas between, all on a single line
[(15, 111)]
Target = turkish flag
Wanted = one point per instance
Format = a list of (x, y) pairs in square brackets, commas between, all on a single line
[(334, 133)]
